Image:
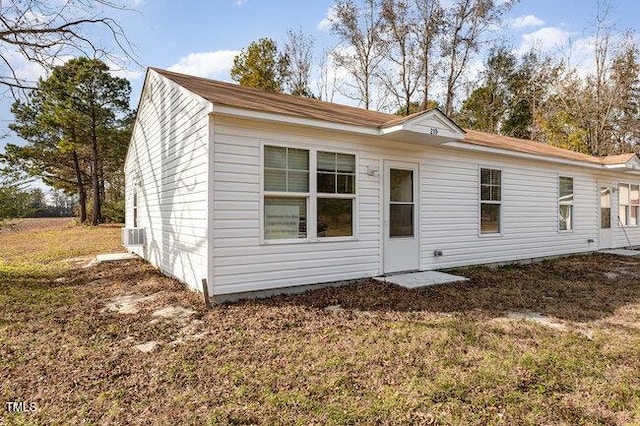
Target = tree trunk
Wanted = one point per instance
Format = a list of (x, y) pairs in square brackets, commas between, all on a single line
[(82, 196), (96, 215), (103, 196)]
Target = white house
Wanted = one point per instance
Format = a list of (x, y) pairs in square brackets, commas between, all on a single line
[(252, 191)]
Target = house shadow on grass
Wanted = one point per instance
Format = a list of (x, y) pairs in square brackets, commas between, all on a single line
[(576, 288)]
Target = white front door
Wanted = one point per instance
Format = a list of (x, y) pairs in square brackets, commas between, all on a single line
[(401, 224), (604, 192)]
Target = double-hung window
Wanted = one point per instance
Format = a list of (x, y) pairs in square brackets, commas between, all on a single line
[(288, 195), (634, 205), (135, 207), (336, 182), (565, 203), (628, 204), (623, 204), (490, 201)]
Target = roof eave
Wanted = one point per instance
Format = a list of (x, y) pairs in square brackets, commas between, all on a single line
[(524, 155), (229, 111)]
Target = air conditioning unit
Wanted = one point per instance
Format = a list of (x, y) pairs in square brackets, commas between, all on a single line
[(132, 237)]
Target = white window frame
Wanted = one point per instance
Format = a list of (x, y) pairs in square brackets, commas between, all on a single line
[(135, 202), (572, 203), (311, 196), (481, 202), (328, 195), (627, 206), (633, 206)]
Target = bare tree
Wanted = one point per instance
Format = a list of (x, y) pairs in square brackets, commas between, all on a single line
[(401, 78), (466, 21), (595, 111), (299, 51), (328, 81), (362, 49), (429, 25), (41, 32)]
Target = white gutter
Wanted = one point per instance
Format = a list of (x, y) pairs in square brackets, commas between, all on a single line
[(488, 150)]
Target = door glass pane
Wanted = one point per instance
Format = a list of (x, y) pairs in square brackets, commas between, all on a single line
[(401, 220), (401, 185), (605, 218), (605, 207)]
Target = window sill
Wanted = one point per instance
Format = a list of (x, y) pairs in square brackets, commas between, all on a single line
[(334, 239), (308, 241), (566, 231), (490, 235)]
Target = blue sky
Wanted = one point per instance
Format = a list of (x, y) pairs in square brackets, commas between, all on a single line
[(201, 37)]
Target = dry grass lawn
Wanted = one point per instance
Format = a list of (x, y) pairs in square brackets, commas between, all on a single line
[(385, 355)]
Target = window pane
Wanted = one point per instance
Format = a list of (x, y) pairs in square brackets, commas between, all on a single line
[(495, 193), (346, 184), (566, 217), (275, 180), (496, 177), (326, 183), (285, 218), (275, 157), (622, 215), (346, 163), (401, 185), (566, 189), (624, 194), (485, 176), (635, 195), (401, 220), (605, 218), (335, 217), (326, 161), (633, 217), (489, 218), (298, 182), (298, 159), (485, 193), (605, 197)]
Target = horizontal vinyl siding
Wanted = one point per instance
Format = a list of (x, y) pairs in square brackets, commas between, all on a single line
[(529, 220), (168, 159), (240, 261)]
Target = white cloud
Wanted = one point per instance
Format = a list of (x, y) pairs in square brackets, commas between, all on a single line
[(206, 64), (526, 21), (545, 39), (239, 2), (325, 24)]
